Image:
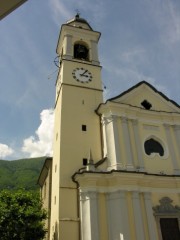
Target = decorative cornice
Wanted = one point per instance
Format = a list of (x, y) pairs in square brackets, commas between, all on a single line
[(124, 120), (106, 120), (126, 180), (134, 122), (176, 127), (119, 194), (86, 195), (166, 125), (166, 207)]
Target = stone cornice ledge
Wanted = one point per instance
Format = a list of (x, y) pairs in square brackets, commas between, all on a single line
[(129, 181)]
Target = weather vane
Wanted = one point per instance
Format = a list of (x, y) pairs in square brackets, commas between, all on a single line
[(77, 12)]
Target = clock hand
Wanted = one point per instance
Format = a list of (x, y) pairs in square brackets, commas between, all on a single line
[(83, 74)]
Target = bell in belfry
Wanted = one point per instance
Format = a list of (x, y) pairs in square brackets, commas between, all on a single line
[(80, 52)]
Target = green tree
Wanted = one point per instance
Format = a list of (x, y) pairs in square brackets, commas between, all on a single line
[(21, 216)]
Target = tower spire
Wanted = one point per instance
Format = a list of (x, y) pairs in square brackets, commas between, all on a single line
[(90, 162), (77, 14)]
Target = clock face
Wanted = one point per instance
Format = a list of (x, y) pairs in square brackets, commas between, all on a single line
[(82, 75)]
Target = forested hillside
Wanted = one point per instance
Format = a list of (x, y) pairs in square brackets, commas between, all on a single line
[(21, 173)]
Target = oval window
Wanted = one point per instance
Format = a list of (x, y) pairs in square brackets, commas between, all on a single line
[(152, 146)]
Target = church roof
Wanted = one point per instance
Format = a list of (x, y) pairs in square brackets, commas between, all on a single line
[(44, 171), (142, 96), (78, 19), (149, 85)]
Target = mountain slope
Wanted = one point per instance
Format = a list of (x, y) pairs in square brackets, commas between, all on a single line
[(21, 173)]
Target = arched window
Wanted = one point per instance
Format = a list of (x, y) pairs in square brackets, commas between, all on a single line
[(153, 146), (81, 51)]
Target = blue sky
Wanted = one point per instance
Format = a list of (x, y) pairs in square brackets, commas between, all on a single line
[(140, 41)]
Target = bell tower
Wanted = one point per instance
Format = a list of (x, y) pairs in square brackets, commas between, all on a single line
[(77, 126)]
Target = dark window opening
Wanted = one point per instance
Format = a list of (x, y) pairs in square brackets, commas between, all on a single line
[(153, 146), (84, 128), (170, 229), (84, 161), (81, 52), (146, 104)]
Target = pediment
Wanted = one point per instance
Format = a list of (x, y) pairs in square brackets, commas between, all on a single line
[(145, 96)]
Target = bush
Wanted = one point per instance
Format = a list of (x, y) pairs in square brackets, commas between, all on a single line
[(21, 216)]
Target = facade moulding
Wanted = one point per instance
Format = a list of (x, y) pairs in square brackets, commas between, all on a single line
[(104, 182)]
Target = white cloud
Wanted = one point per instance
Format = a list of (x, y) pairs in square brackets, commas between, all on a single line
[(135, 55), (96, 9), (174, 25), (41, 143), (167, 18), (65, 10), (129, 75), (59, 10), (5, 151)]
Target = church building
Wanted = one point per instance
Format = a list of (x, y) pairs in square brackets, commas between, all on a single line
[(115, 171)]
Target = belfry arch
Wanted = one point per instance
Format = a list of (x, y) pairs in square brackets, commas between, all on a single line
[(81, 51)]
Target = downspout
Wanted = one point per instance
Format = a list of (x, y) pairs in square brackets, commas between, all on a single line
[(78, 202), (101, 132)]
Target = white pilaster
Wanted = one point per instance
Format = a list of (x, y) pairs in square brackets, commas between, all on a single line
[(94, 53), (138, 145), (126, 137), (68, 47), (89, 216), (171, 149), (176, 129), (150, 217), (138, 216), (118, 221), (113, 145)]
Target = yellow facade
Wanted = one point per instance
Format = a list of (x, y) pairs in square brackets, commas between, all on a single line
[(116, 165), (45, 183), (143, 186)]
